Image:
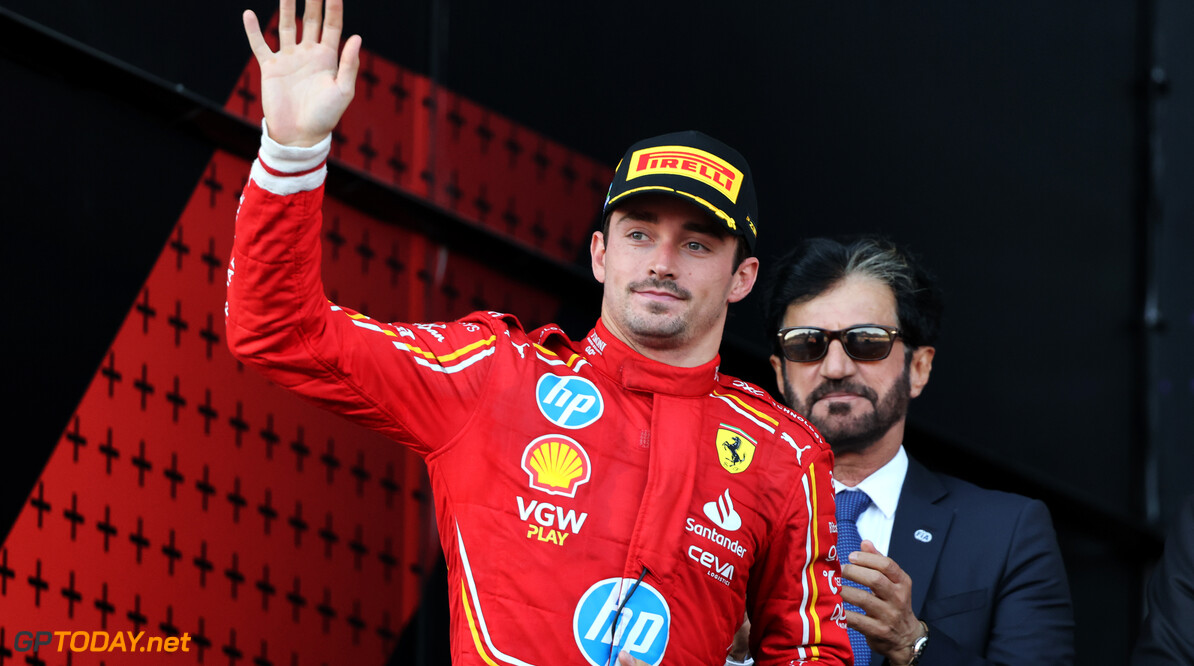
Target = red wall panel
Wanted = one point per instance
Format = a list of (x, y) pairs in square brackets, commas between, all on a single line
[(189, 496)]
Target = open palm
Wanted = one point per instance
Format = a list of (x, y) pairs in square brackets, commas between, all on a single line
[(305, 85)]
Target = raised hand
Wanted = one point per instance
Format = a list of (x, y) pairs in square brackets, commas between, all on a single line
[(306, 85)]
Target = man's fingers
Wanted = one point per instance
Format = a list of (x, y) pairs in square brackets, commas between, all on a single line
[(880, 585), (286, 25), (866, 626), (312, 20), (868, 560), (256, 41), (350, 64), (861, 598), (881, 563), (886, 635), (333, 24), (853, 595), (877, 616), (879, 635), (895, 574), (863, 575)]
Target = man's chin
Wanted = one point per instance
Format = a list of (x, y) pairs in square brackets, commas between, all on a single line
[(845, 437), (657, 332), (853, 443), (659, 309), (855, 437)]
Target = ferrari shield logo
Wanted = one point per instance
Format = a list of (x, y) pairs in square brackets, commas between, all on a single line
[(734, 448)]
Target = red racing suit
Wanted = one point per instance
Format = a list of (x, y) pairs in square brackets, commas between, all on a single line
[(567, 475)]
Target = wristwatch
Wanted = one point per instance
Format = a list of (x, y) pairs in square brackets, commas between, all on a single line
[(919, 645)]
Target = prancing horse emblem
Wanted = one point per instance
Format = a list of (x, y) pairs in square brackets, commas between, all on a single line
[(735, 449), (733, 445)]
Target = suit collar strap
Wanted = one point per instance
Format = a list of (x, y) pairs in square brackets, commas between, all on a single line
[(618, 361)]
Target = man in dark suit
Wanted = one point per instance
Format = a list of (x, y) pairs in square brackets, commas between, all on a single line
[(944, 572), (1167, 635)]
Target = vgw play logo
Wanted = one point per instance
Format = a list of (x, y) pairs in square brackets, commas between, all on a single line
[(569, 401), (643, 625)]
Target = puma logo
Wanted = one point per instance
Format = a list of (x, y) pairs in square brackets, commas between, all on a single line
[(799, 450)]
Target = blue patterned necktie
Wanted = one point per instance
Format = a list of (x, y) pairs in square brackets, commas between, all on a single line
[(851, 504)]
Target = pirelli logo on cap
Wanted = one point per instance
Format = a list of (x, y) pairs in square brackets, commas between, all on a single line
[(686, 161)]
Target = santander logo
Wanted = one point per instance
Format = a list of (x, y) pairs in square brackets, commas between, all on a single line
[(722, 512)]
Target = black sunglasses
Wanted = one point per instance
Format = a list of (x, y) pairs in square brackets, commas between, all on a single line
[(868, 342)]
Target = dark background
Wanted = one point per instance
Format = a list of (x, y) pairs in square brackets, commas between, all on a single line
[(1039, 157)]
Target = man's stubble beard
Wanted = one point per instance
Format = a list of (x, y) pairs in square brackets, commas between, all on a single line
[(657, 329), (858, 434)]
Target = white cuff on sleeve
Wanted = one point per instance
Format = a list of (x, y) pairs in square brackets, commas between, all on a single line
[(289, 169)]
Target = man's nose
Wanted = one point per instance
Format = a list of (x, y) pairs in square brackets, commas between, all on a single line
[(837, 363), (663, 262)]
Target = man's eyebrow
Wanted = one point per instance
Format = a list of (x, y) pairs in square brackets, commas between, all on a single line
[(639, 215), (706, 226), (703, 226)]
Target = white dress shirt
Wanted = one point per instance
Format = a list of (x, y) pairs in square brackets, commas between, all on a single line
[(883, 487)]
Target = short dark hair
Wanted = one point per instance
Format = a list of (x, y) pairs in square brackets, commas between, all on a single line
[(816, 265), (741, 251)]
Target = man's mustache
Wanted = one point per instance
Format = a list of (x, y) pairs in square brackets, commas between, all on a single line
[(841, 386), (661, 285)]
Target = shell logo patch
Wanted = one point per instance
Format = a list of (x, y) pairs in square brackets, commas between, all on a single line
[(735, 449), (556, 465)]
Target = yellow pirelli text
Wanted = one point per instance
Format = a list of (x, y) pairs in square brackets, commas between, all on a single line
[(690, 162)]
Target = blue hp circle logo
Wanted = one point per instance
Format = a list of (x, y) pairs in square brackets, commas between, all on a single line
[(569, 401), (642, 628)]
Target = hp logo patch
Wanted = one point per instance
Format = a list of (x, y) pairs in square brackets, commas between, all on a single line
[(570, 402), (643, 625)]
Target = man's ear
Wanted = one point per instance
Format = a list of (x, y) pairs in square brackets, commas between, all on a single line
[(597, 252), (744, 279), (918, 371), (777, 364)]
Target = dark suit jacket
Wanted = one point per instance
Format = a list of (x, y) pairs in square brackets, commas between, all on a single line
[(987, 575), (1167, 636)]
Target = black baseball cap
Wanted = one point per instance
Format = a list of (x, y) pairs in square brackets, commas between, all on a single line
[(694, 167)]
